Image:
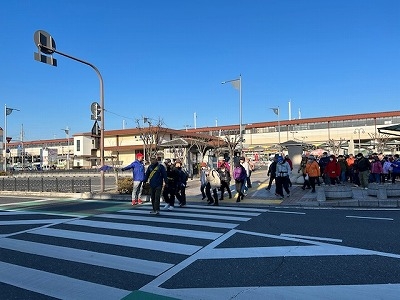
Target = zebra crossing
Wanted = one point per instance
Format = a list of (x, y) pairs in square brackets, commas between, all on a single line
[(107, 255)]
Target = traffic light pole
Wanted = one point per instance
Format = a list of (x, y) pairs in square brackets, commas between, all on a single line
[(51, 50)]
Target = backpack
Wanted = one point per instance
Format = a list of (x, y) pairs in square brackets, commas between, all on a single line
[(214, 179), (238, 173)]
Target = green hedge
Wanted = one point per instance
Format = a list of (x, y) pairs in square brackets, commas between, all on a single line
[(125, 185)]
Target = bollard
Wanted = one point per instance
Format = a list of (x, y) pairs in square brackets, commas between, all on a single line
[(382, 193), (320, 193)]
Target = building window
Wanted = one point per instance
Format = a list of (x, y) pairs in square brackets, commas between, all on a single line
[(78, 145)]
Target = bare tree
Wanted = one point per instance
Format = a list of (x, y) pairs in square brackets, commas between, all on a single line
[(232, 140), (151, 135), (380, 141), (334, 146)]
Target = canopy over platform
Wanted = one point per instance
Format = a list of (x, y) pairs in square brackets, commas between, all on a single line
[(391, 130)]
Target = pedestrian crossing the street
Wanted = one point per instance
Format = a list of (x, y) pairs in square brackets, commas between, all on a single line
[(105, 256)]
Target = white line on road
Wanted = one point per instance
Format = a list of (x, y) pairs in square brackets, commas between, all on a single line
[(57, 286), (208, 235), (116, 262), (121, 241), (286, 212), (370, 218), (311, 238)]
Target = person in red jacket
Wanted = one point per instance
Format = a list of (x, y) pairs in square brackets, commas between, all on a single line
[(332, 170)]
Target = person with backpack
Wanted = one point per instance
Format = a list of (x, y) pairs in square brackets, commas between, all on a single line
[(155, 175), (240, 175), (213, 183)]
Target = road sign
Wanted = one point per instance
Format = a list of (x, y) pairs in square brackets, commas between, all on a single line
[(46, 45), (96, 111), (42, 38), (96, 129)]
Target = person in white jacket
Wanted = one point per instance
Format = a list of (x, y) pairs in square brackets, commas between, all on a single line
[(283, 171)]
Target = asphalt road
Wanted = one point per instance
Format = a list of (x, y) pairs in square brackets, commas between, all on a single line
[(82, 249)]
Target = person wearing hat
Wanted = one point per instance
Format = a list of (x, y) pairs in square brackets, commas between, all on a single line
[(156, 175), (137, 168)]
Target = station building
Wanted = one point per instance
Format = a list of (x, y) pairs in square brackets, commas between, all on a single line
[(366, 133)]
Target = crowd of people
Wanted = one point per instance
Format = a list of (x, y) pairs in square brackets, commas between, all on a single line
[(168, 180), (359, 170)]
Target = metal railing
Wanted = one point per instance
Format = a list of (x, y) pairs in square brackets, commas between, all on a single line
[(46, 184)]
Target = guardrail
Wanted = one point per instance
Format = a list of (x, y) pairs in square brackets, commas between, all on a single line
[(46, 184)]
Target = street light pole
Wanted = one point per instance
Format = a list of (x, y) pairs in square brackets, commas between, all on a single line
[(66, 130), (41, 37), (7, 111), (237, 84), (359, 130), (276, 111)]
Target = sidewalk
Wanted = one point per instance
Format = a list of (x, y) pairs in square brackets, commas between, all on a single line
[(258, 195)]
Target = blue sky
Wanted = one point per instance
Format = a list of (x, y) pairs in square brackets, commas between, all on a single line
[(167, 59)]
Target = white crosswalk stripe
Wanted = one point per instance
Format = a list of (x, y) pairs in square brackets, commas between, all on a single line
[(131, 244)]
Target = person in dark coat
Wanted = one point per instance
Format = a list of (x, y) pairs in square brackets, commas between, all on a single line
[(156, 175), (271, 173), (225, 177)]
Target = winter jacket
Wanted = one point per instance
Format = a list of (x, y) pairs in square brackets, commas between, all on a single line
[(343, 165), (387, 166), (303, 165), (283, 169), (323, 162), (158, 176), (137, 170), (363, 164), (332, 169), (224, 174), (172, 176), (376, 167), (239, 173), (312, 169), (272, 169), (396, 166), (203, 175)]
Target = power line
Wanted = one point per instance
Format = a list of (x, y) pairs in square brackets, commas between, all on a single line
[(113, 113)]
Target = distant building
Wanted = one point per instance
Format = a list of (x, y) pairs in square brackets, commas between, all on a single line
[(359, 132)]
